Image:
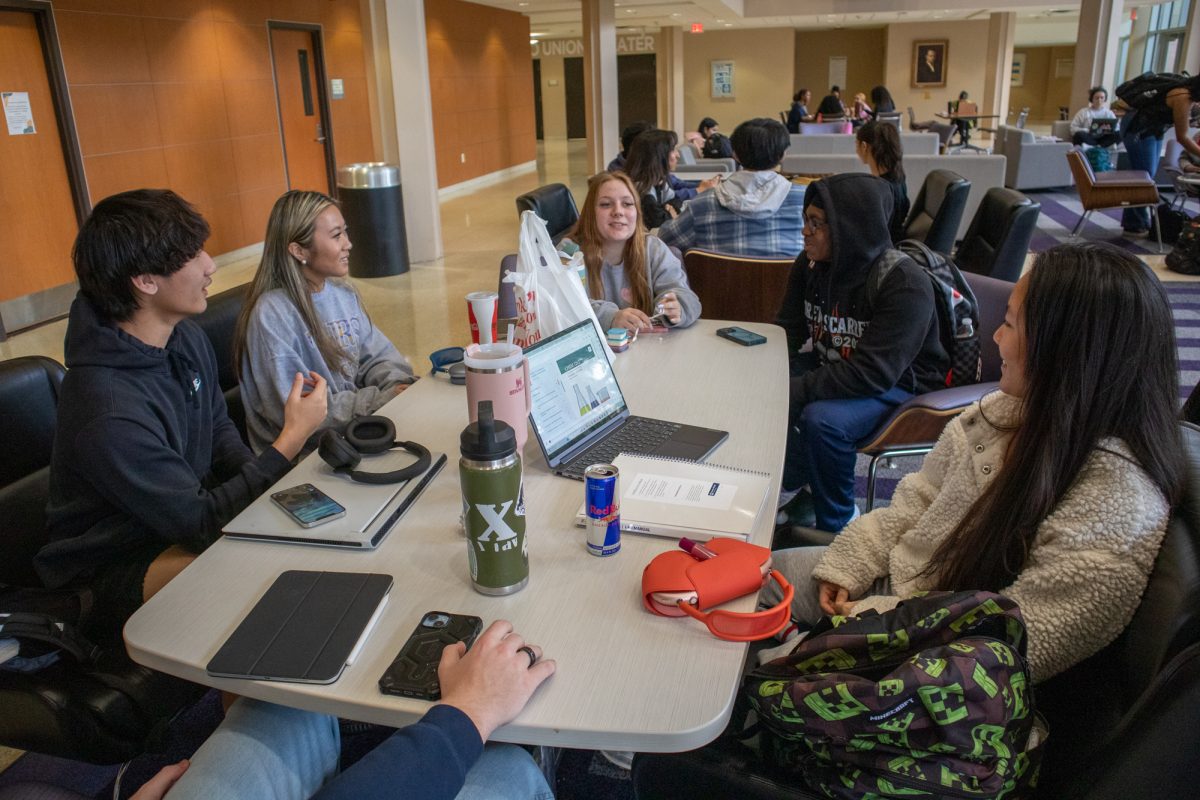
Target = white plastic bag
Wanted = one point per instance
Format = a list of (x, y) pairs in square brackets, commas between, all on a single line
[(550, 297)]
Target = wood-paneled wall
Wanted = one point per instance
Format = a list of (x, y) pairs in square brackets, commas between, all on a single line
[(481, 79), (180, 94)]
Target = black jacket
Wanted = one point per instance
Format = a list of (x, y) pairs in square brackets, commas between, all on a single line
[(866, 341), (144, 449)]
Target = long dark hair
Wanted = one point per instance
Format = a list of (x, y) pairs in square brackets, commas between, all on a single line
[(1087, 378), (648, 161), (881, 98), (884, 141)]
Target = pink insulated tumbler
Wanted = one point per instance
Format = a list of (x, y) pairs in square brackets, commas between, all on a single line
[(499, 372), (482, 310)]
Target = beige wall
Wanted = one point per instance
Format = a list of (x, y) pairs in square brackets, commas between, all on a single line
[(965, 64), (864, 49), (1042, 92), (554, 98), (763, 68)]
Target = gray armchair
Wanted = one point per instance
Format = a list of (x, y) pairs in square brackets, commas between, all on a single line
[(1032, 164)]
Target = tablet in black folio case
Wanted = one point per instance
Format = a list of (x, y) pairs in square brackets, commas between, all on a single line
[(304, 628)]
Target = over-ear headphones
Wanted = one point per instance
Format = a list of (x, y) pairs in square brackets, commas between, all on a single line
[(367, 436)]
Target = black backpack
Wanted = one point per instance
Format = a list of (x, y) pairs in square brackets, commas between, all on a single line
[(717, 145), (1184, 258), (957, 308), (1145, 94)]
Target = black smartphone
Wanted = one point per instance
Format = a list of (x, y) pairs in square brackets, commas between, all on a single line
[(741, 336), (307, 505), (413, 673)]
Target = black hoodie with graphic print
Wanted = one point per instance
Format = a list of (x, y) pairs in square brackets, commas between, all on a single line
[(144, 449), (865, 345)]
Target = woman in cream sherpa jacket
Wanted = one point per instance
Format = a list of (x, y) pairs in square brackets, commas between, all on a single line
[(1087, 560)]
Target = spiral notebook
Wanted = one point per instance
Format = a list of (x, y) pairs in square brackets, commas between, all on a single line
[(675, 497)]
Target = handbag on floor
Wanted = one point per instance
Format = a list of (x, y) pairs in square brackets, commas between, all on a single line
[(1098, 158), (1184, 257)]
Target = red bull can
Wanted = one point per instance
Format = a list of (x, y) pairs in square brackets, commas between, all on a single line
[(602, 495)]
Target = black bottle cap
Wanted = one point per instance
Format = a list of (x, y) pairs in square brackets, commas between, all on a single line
[(488, 438)]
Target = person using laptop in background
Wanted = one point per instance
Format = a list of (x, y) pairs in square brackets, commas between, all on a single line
[(301, 314), (1083, 126), (875, 340), (754, 212), (262, 751), (630, 275), (147, 466)]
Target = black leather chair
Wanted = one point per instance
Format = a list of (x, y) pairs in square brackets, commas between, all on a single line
[(103, 708), (938, 210), (553, 203), (998, 236), (1123, 724), (218, 322)]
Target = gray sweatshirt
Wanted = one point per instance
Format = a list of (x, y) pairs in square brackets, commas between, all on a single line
[(278, 346), (666, 275)]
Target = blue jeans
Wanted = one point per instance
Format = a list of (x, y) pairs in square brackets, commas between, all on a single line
[(263, 751), (1143, 154), (821, 450)]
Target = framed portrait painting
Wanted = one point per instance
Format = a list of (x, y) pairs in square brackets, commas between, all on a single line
[(929, 63)]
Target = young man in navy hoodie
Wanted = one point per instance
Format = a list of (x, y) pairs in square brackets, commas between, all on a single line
[(874, 342), (147, 466)]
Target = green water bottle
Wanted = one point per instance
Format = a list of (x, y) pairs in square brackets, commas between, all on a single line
[(493, 505)]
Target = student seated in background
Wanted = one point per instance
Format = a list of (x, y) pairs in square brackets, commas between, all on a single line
[(1096, 109), (831, 108), (147, 467), (683, 190), (878, 146), (882, 98), (1055, 490), (630, 275), (875, 342), (301, 315), (268, 752), (799, 111), (753, 212)]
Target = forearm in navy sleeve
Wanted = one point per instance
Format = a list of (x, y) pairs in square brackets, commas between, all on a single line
[(429, 759), (683, 190)]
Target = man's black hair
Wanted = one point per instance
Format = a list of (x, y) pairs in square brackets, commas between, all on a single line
[(760, 143), (632, 131), (143, 232)]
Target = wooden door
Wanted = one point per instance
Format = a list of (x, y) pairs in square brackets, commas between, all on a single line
[(576, 102), (298, 90), (637, 89), (36, 204)]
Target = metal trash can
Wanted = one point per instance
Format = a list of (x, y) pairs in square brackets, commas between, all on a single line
[(374, 210)]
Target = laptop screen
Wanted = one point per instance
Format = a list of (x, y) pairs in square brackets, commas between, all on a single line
[(573, 388)]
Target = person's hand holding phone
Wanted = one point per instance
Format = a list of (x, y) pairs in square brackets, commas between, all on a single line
[(672, 309), (492, 681)]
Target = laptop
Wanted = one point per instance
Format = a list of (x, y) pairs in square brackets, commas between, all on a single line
[(580, 417), (1103, 126)]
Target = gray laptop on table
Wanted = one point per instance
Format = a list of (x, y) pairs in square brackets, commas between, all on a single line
[(579, 415)]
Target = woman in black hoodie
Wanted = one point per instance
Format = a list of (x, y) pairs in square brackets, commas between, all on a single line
[(874, 337)]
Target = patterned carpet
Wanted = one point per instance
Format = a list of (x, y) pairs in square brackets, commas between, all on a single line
[(1060, 213)]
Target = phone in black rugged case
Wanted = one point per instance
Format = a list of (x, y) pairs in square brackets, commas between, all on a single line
[(741, 336), (413, 673)]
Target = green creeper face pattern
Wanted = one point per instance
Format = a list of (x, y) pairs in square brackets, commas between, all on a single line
[(834, 703), (945, 704)]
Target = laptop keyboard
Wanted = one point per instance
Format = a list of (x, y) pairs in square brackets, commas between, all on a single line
[(637, 435)]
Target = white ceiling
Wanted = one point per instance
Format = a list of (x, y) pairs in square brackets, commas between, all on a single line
[(1048, 24)]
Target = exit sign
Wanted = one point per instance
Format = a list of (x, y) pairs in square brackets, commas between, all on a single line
[(697, 27)]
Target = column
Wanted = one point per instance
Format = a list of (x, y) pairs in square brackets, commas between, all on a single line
[(670, 70), (1096, 48), (1002, 28), (404, 64), (1191, 40), (600, 81)]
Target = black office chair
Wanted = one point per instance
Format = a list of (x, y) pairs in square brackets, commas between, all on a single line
[(999, 234), (938, 210), (1122, 724), (101, 707), (555, 204), (218, 322)]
